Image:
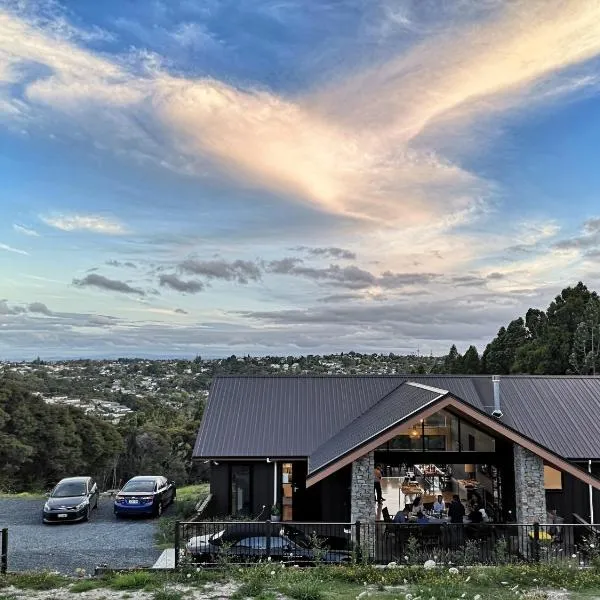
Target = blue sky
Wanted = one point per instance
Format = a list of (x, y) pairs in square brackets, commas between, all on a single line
[(278, 176)]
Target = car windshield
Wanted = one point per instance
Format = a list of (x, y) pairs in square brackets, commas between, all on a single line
[(141, 485), (68, 489)]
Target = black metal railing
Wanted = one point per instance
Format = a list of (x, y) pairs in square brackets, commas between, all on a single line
[(236, 542), (4, 551)]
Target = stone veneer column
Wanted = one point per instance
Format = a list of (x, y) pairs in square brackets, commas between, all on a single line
[(362, 495), (362, 500), (530, 494)]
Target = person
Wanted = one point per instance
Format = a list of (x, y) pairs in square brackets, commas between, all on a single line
[(439, 506), (456, 510), (421, 518), (417, 507), (378, 475), (475, 515), (401, 516)]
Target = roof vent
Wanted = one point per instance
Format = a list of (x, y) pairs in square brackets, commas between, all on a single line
[(497, 412)]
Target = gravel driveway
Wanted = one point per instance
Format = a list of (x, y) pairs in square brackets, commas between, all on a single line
[(67, 546)]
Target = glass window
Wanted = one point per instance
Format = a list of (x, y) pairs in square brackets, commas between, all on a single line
[(256, 543), (69, 489), (240, 490), (141, 485)]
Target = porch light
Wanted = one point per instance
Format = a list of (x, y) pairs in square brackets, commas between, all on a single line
[(414, 432)]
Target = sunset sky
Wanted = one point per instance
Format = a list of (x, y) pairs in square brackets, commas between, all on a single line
[(215, 177)]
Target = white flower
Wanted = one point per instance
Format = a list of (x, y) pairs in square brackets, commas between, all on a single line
[(463, 594), (408, 597), (188, 575), (504, 582), (514, 588), (477, 597), (468, 579), (272, 572), (573, 555), (392, 565), (453, 571), (535, 580), (269, 559), (592, 545), (429, 564), (406, 558)]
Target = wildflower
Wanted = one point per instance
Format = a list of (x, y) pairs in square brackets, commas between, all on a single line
[(504, 582), (392, 565), (463, 594), (272, 572), (188, 575), (453, 571), (534, 580), (268, 559), (406, 558), (512, 589), (592, 545), (573, 555), (405, 581), (408, 597), (429, 564), (468, 579), (477, 597)]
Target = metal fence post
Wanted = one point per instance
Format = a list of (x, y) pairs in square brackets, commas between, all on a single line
[(4, 557), (177, 542), (358, 546), (536, 541), (269, 532)]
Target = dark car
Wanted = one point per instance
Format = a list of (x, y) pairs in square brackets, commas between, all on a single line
[(72, 499), (255, 541), (145, 495)]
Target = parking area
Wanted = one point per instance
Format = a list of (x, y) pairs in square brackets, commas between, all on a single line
[(68, 546)]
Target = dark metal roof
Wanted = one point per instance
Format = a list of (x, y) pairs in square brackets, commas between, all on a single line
[(291, 416), (399, 404)]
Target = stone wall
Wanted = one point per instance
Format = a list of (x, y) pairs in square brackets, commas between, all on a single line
[(530, 494), (362, 494)]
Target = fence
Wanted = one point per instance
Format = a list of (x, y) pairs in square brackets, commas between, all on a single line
[(221, 542), (4, 551)]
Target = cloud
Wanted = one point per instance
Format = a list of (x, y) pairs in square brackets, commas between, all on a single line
[(173, 282), (103, 283), (242, 271), (13, 250), (94, 223), (118, 263), (25, 230), (364, 147), (39, 307), (5, 309), (589, 238), (180, 311), (331, 252), (351, 276)]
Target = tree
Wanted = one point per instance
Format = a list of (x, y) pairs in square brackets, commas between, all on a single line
[(453, 362), (471, 365)]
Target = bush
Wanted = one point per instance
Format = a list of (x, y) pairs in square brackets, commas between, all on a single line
[(168, 595), (304, 590), (35, 581)]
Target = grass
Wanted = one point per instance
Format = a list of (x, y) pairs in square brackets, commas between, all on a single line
[(168, 595), (34, 581), (85, 585), (183, 509), (136, 580), (23, 495)]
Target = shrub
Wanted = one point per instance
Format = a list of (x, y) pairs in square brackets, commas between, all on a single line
[(85, 585), (35, 581), (166, 594), (304, 590)]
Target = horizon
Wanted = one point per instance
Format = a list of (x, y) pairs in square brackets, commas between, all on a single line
[(283, 178)]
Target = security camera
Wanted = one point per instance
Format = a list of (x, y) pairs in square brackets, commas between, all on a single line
[(497, 414)]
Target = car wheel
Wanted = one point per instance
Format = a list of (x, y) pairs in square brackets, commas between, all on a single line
[(87, 513)]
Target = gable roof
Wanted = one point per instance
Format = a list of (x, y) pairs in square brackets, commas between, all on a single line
[(293, 416), (398, 405)]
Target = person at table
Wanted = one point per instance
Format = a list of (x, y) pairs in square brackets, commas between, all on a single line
[(456, 510), (421, 518), (417, 507), (401, 516), (439, 506), (475, 515)]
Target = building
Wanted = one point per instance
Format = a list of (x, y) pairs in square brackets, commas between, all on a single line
[(525, 444)]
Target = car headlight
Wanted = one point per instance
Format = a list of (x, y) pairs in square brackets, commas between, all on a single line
[(47, 506), (82, 504)]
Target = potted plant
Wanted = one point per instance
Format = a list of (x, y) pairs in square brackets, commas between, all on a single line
[(275, 513)]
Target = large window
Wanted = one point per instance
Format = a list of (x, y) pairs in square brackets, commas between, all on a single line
[(240, 490)]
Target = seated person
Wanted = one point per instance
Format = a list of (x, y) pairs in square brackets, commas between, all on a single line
[(417, 507), (421, 518), (439, 506), (456, 510), (401, 516), (475, 515)]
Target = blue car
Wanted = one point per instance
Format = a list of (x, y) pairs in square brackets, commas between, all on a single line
[(144, 495)]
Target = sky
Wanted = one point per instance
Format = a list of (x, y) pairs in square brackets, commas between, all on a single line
[(216, 177)]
